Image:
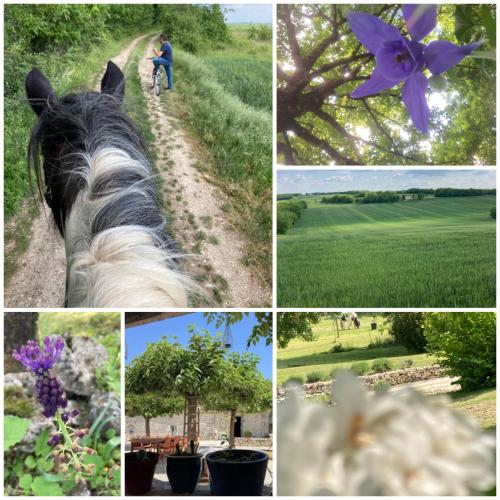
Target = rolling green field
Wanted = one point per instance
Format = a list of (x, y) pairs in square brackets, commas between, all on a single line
[(437, 252), (301, 358)]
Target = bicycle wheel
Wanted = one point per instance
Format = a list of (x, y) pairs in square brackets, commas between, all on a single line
[(158, 84), (153, 80)]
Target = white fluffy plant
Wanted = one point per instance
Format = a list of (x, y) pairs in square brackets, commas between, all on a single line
[(389, 443)]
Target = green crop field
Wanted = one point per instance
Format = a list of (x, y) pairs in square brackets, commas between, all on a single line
[(301, 358), (437, 252), (244, 68)]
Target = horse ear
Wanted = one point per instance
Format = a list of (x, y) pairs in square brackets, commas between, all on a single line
[(113, 81), (38, 90)]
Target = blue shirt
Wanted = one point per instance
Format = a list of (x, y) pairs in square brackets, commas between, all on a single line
[(167, 52)]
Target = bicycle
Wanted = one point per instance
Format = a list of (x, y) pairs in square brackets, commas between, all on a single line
[(156, 79)]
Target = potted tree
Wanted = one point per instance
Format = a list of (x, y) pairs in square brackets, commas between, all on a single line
[(191, 372), (140, 469), (184, 468), (239, 472)]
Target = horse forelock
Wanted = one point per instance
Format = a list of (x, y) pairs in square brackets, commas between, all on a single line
[(69, 129)]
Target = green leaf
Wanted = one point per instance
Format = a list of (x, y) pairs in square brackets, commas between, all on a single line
[(30, 462), (43, 488), (489, 23), (463, 23), (110, 446), (110, 433), (25, 482), (14, 430), (42, 447), (93, 459), (46, 465), (484, 54)]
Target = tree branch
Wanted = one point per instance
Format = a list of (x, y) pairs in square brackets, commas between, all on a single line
[(322, 144), (293, 44)]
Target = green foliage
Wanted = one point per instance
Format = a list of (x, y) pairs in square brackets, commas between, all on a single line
[(288, 213), (448, 192), (380, 197), (14, 429), (17, 403), (381, 386), (377, 130), (152, 404), (360, 367), (262, 330), (245, 389), (465, 343), (407, 328), (189, 450), (406, 363), (313, 377), (295, 325), (382, 365), (103, 327), (342, 348), (166, 366), (192, 27), (437, 252), (493, 212), (338, 198), (108, 377), (262, 32), (282, 197), (248, 434)]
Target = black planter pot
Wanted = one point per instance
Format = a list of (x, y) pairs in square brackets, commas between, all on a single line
[(139, 473), (183, 472), (237, 478)]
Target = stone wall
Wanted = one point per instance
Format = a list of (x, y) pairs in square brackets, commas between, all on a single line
[(212, 425), (393, 377), (264, 443)]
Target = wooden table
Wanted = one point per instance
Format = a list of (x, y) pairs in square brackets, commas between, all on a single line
[(146, 442)]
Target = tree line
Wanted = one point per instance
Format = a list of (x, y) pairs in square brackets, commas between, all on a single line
[(59, 29), (288, 214)]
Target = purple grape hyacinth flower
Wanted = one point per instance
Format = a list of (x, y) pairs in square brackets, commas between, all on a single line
[(49, 389), (401, 60)]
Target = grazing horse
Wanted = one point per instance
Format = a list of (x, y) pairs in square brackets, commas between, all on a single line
[(99, 186)]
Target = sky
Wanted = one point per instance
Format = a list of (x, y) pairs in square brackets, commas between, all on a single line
[(311, 181), (238, 13), (138, 337)]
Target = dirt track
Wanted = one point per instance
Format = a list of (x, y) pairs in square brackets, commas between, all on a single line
[(215, 250)]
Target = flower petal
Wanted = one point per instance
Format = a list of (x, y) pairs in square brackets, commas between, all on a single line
[(371, 31), (414, 99), (375, 84), (420, 20), (442, 55)]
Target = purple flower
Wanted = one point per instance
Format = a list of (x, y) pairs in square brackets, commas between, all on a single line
[(40, 360), (35, 358), (401, 60)]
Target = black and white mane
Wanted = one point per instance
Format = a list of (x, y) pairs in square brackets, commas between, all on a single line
[(98, 183)]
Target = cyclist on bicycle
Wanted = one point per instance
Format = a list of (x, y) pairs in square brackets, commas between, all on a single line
[(165, 57)]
